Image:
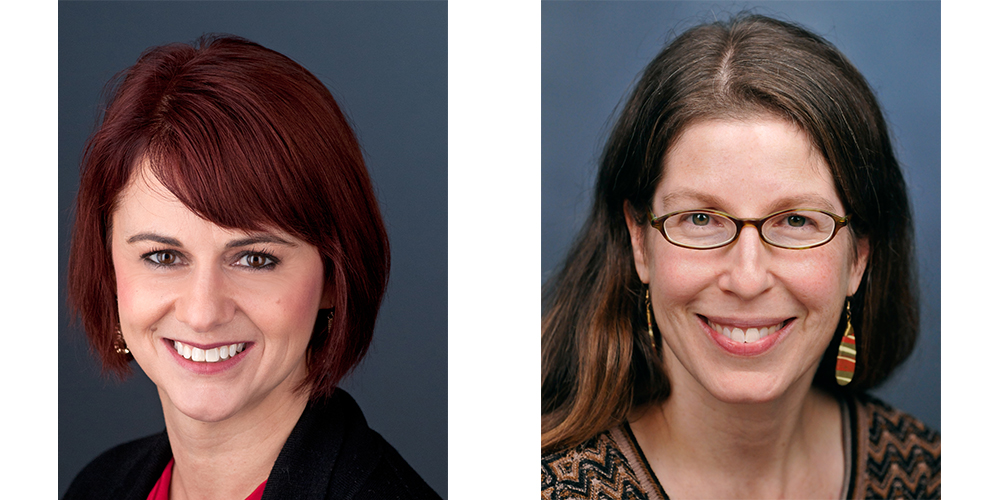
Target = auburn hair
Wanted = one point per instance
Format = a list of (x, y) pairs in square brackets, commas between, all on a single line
[(597, 361), (248, 139)]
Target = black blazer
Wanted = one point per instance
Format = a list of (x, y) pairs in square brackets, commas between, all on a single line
[(330, 454)]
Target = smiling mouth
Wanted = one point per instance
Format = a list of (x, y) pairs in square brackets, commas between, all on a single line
[(745, 335), (212, 355)]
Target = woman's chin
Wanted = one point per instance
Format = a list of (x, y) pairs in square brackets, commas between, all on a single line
[(206, 414), (746, 388), (202, 405)]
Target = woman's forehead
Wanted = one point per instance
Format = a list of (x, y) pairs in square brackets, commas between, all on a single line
[(746, 164)]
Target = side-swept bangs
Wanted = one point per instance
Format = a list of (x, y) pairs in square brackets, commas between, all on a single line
[(250, 140)]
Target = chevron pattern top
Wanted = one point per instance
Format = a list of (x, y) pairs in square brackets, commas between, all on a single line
[(893, 455)]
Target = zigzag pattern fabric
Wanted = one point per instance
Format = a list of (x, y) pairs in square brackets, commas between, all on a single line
[(894, 456), (595, 469), (904, 456)]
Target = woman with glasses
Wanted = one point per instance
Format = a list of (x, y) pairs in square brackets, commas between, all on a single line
[(744, 277)]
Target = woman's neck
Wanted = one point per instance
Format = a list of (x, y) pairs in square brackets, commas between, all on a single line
[(699, 446), (230, 458)]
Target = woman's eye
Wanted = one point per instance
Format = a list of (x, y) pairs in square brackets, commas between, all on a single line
[(701, 219), (257, 261), (799, 220), (796, 220), (162, 258)]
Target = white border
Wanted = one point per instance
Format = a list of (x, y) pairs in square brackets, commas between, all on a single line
[(970, 179), (494, 241), (29, 248)]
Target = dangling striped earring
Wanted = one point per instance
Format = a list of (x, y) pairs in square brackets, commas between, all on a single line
[(649, 322), (847, 354)]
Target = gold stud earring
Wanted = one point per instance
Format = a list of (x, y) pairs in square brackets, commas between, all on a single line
[(848, 352)]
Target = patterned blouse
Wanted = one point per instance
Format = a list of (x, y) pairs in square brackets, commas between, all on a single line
[(893, 455)]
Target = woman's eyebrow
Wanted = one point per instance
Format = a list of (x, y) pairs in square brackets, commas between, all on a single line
[(803, 201), (809, 200), (155, 237), (689, 196), (242, 242), (259, 238)]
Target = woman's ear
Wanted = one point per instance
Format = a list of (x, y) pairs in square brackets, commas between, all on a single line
[(637, 234), (861, 253), (327, 301)]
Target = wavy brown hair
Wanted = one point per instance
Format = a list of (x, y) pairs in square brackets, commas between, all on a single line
[(597, 361)]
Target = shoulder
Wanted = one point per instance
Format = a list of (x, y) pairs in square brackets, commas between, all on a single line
[(897, 455), (597, 468), (391, 477), (332, 453), (126, 471)]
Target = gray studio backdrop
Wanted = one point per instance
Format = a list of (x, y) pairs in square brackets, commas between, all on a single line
[(594, 52), (386, 64)]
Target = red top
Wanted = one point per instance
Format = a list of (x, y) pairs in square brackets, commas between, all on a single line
[(161, 490)]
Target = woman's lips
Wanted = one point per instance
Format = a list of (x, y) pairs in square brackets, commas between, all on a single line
[(746, 338)]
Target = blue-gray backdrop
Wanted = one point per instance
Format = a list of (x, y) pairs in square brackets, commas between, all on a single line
[(594, 52), (386, 63)]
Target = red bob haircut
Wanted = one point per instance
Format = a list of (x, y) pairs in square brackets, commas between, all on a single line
[(247, 139)]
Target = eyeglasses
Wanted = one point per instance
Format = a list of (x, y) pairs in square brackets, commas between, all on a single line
[(795, 229)]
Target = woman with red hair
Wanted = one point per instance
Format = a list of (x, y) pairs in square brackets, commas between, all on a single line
[(228, 240)]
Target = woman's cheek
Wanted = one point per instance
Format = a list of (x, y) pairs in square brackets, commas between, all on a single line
[(124, 289), (684, 274), (138, 297), (820, 286)]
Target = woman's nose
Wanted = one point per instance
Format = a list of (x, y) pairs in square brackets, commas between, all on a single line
[(205, 301), (747, 274)]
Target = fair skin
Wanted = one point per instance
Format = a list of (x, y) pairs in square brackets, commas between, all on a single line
[(185, 282), (743, 419)]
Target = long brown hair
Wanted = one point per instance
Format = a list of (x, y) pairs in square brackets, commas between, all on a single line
[(597, 359)]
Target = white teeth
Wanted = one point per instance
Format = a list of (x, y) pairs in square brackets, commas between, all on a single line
[(738, 335), (748, 336), (212, 355), (183, 349)]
